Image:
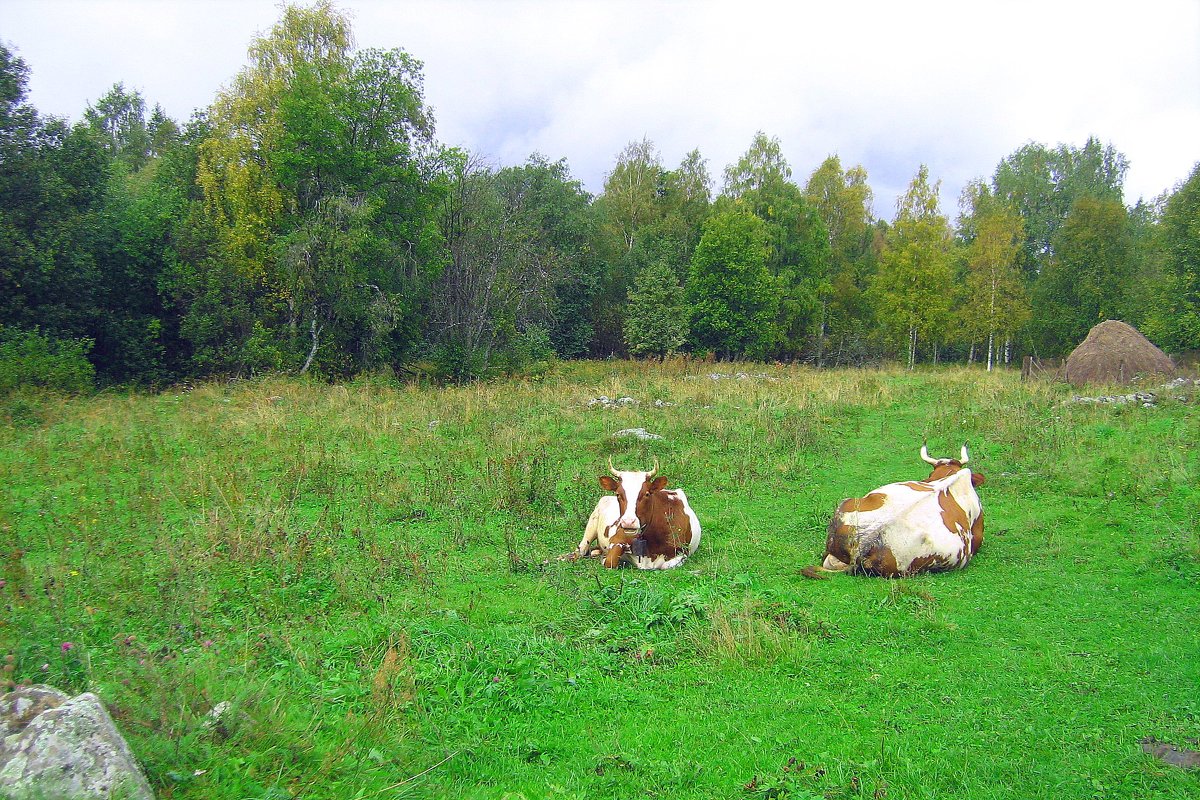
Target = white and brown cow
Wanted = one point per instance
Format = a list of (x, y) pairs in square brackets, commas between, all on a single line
[(906, 528), (642, 522)]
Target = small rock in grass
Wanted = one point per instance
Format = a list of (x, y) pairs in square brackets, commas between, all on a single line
[(638, 433)]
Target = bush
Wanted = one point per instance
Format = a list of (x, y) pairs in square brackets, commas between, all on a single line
[(527, 352), (31, 358)]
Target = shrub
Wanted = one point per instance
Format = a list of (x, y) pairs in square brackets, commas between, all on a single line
[(32, 358)]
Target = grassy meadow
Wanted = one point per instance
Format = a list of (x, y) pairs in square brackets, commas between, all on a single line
[(366, 574)]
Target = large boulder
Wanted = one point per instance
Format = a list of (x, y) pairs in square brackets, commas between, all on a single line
[(19, 707), (1115, 353), (61, 747)]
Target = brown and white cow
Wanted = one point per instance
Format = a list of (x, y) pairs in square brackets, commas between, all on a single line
[(642, 522), (906, 528)]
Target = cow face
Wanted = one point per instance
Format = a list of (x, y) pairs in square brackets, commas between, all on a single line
[(942, 467), (632, 490)]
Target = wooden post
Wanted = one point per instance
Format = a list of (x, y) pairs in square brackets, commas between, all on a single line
[(1027, 368)]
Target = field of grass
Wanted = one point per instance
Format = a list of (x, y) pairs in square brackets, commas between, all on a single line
[(367, 574)]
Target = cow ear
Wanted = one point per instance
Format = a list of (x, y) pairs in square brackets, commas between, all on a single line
[(976, 479), (609, 483), (658, 483)]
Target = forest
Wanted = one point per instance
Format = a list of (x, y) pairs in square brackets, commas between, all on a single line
[(309, 222)]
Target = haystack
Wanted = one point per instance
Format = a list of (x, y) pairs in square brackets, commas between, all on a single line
[(1115, 353)]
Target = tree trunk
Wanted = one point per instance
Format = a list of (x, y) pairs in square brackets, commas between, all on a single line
[(912, 346), (821, 336), (991, 349), (316, 335)]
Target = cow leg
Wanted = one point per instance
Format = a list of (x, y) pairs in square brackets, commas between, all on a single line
[(584, 544), (583, 551), (976, 534), (580, 551), (590, 534), (612, 559)]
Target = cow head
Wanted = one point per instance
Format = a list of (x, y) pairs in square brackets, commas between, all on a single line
[(943, 467), (632, 490)]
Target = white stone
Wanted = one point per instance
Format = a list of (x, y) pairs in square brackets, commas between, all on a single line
[(639, 433)]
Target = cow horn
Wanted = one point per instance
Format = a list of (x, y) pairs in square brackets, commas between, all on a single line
[(925, 456), (613, 469), (653, 469), (964, 458)]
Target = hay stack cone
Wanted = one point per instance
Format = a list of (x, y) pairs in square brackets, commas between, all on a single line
[(1115, 353)]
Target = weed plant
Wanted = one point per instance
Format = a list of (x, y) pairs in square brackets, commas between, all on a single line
[(365, 575)]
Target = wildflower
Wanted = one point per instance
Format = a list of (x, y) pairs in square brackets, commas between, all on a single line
[(45, 667), (67, 646), (208, 643)]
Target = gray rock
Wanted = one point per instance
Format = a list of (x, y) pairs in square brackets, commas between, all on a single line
[(638, 433), (604, 401), (217, 717), (21, 705), (71, 751)]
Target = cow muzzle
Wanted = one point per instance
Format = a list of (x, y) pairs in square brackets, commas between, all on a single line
[(629, 523)]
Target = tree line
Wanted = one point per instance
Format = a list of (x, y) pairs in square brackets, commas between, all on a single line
[(309, 221)]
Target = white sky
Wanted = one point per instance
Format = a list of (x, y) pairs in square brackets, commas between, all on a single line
[(889, 85)]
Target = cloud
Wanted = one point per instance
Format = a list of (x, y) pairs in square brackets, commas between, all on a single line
[(955, 86)]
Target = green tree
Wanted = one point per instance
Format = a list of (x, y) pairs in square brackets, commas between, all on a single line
[(647, 215), (799, 261), (656, 318), (311, 140), (53, 181), (911, 287), (734, 299), (1173, 317), (555, 209), (626, 211), (799, 255), (164, 132), (996, 305), (1043, 184), (631, 190), (842, 199), (519, 269), (685, 196), (119, 119), (762, 167), (1086, 281)]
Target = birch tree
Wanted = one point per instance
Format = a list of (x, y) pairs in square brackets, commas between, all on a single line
[(996, 304), (913, 286)]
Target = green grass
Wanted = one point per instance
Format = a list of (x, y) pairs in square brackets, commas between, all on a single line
[(361, 570)]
